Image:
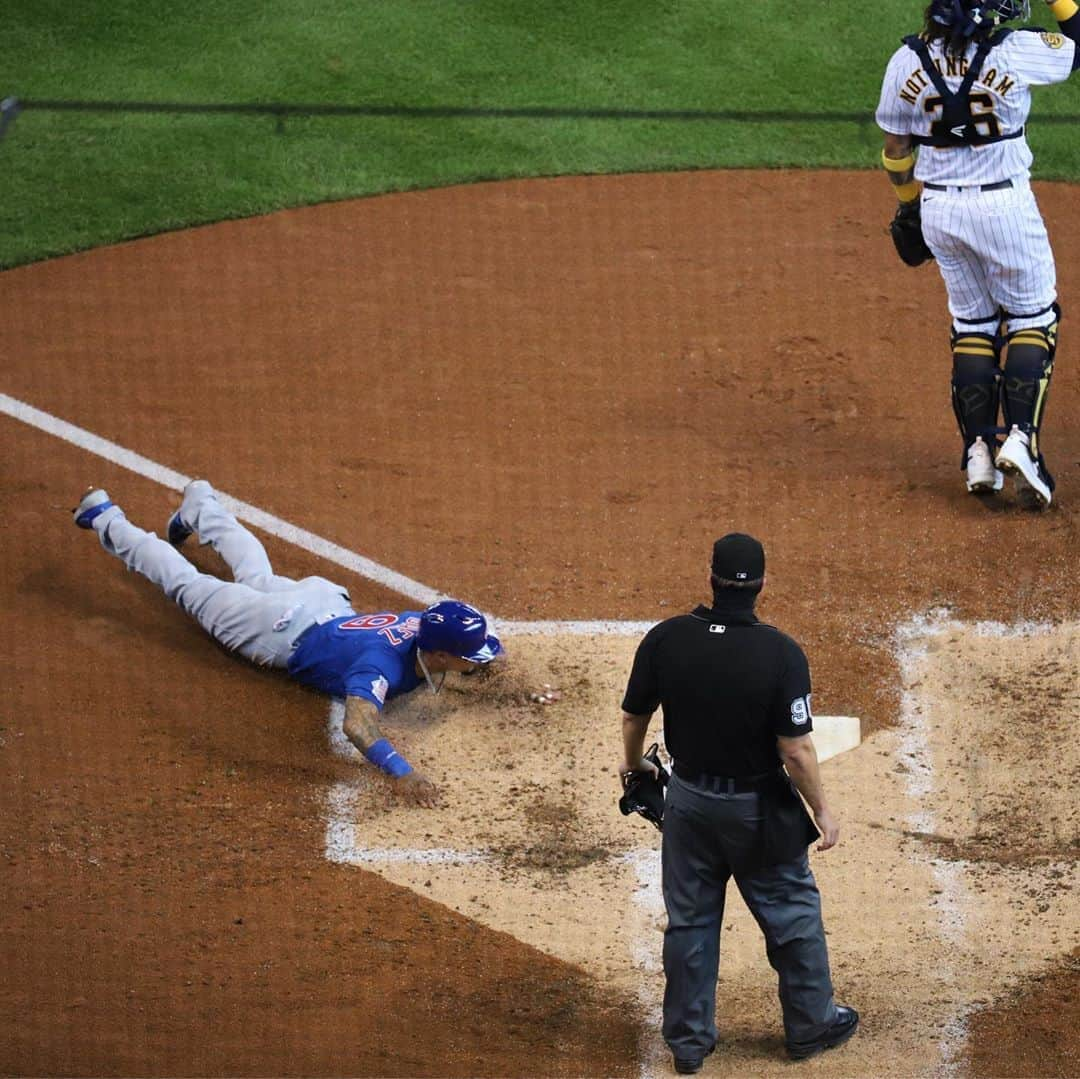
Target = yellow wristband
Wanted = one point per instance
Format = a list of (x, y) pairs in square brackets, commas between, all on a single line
[(1062, 9), (908, 192), (902, 164)]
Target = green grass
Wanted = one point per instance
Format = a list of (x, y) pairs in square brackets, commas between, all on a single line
[(75, 180)]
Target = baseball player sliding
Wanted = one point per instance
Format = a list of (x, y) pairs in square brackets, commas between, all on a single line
[(960, 93), (306, 627)]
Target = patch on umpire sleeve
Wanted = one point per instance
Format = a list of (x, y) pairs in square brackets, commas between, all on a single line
[(800, 710), (1052, 41)]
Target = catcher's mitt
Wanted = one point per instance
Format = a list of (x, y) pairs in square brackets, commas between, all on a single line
[(643, 792), (906, 229)]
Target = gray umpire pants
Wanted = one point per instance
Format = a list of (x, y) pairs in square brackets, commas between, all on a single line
[(707, 838)]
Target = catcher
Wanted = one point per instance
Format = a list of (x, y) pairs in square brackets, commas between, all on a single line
[(959, 93)]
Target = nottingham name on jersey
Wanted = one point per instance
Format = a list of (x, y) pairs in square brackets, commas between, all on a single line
[(1000, 101), (360, 655)]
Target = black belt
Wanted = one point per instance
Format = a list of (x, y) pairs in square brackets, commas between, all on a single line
[(726, 784), (999, 186)]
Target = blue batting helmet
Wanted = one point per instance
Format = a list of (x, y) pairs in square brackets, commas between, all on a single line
[(973, 18), (457, 628)]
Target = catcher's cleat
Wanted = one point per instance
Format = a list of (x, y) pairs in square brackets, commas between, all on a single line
[(94, 503), (982, 477), (1034, 485)]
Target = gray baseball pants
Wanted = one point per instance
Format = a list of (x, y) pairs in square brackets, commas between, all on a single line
[(259, 614), (707, 836)]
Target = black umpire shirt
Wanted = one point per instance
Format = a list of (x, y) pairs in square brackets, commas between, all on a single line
[(728, 684)]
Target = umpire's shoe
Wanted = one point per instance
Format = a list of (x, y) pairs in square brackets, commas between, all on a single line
[(690, 1065), (1034, 485), (843, 1026)]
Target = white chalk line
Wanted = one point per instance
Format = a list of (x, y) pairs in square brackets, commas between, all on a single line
[(177, 481), (920, 781), (647, 957), (298, 537)]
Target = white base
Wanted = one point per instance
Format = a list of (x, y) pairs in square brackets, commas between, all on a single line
[(834, 735)]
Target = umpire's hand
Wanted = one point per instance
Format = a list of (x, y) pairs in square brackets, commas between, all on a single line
[(643, 765), (800, 760), (827, 826)]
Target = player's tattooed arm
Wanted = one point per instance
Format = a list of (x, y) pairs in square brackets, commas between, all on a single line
[(362, 729), (899, 162), (361, 723)]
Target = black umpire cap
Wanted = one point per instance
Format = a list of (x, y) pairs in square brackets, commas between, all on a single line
[(738, 557)]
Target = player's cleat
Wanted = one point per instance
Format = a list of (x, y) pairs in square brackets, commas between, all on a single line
[(94, 503), (176, 530), (982, 476), (1034, 487)]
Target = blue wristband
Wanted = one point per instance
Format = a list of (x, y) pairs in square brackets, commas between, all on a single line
[(383, 755)]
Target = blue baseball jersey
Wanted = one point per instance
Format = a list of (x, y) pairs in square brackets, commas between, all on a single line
[(360, 655)]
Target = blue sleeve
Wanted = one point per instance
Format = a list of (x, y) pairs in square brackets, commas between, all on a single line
[(367, 682)]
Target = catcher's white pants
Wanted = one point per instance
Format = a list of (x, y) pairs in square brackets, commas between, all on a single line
[(993, 252), (259, 614)]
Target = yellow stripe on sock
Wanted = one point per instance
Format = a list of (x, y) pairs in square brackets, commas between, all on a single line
[(979, 346)]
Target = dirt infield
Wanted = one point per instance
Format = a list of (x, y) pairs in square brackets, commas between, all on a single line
[(547, 398)]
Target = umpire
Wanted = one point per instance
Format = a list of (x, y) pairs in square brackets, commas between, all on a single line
[(736, 700)]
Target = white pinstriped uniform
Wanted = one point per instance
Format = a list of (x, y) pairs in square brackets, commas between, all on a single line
[(991, 246)]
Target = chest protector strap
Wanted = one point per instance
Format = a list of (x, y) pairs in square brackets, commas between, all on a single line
[(958, 126)]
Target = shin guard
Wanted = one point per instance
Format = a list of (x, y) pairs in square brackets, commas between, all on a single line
[(1029, 364), (976, 388)]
